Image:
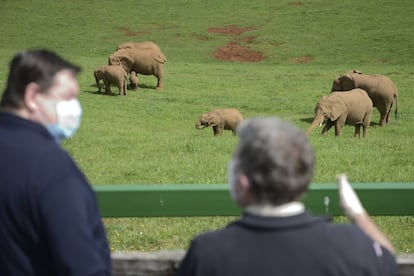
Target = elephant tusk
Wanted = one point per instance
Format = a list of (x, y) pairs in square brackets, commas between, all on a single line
[(320, 125)]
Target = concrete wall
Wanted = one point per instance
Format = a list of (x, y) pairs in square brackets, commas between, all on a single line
[(164, 263), (161, 263)]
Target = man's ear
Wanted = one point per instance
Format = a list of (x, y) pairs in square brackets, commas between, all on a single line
[(30, 101), (245, 193), (244, 182)]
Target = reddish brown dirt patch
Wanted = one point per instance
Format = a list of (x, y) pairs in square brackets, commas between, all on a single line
[(127, 32), (233, 51), (229, 30), (303, 59), (295, 4), (236, 52)]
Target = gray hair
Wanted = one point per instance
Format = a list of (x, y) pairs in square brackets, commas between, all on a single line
[(276, 157)]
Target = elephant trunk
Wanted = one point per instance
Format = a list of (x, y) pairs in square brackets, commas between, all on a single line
[(316, 122), (199, 125)]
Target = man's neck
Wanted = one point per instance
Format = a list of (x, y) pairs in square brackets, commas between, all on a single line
[(18, 112)]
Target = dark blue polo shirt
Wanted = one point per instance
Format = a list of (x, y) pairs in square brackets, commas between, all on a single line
[(49, 218), (297, 245)]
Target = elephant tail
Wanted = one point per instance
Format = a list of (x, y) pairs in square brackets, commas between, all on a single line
[(396, 106)]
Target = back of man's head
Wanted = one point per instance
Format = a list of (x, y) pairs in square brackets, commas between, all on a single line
[(277, 159)]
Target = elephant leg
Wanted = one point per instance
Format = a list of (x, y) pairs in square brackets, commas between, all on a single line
[(358, 130), (121, 89), (160, 77), (216, 130), (338, 129), (365, 130), (387, 116), (124, 86), (221, 127), (383, 120), (366, 122), (382, 108), (159, 84), (107, 87), (97, 84), (133, 78), (327, 127)]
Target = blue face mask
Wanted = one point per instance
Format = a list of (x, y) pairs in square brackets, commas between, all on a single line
[(69, 115)]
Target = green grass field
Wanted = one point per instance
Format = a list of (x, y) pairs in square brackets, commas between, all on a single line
[(148, 137)]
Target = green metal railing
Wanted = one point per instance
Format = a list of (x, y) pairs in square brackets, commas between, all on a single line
[(167, 200)]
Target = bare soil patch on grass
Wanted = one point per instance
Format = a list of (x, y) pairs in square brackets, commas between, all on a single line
[(129, 33), (302, 59), (234, 51)]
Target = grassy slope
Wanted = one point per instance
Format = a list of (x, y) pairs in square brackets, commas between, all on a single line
[(149, 137)]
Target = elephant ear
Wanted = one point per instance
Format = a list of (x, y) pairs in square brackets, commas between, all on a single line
[(98, 73), (126, 62), (213, 119), (336, 107), (346, 82), (121, 58)]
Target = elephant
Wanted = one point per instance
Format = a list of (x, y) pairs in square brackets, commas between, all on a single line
[(133, 80), (353, 107), (382, 91), (111, 74), (137, 45), (144, 61), (219, 120), (144, 45)]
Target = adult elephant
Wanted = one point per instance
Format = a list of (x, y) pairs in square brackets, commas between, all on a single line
[(145, 61), (382, 91), (144, 45), (219, 120), (352, 107)]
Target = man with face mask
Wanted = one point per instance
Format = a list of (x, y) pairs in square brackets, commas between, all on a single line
[(271, 170), (49, 218)]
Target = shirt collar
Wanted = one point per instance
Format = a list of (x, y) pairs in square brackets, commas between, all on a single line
[(285, 210)]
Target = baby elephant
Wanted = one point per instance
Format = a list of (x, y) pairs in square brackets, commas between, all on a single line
[(133, 78), (219, 120), (112, 74), (353, 107)]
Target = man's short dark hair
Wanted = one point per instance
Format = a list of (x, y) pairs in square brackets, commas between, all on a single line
[(38, 66)]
